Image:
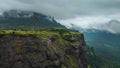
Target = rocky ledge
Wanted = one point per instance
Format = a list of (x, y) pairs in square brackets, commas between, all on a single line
[(30, 51)]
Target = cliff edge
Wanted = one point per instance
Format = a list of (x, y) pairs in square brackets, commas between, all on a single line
[(25, 49)]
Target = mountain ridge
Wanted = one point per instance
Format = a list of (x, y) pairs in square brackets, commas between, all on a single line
[(27, 19)]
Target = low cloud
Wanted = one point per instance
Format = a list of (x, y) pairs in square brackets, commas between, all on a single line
[(84, 13), (100, 23)]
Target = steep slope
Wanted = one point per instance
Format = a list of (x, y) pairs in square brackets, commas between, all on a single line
[(106, 46), (43, 49), (108, 43), (14, 19)]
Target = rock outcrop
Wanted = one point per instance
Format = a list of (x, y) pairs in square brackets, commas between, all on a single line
[(29, 51)]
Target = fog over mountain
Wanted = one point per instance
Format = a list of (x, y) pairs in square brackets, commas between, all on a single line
[(112, 25), (83, 13)]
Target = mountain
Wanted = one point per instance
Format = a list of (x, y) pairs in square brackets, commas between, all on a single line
[(108, 42), (43, 48), (106, 46), (14, 19)]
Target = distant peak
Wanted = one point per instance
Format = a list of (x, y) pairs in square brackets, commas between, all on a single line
[(21, 13)]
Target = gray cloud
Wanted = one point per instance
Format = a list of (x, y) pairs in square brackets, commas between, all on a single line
[(65, 8), (78, 12)]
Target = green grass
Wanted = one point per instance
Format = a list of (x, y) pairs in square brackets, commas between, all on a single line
[(44, 34)]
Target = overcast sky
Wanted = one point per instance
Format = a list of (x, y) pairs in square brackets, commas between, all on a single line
[(84, 13)]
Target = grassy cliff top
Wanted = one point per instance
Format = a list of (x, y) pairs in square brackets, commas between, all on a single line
[(45, 48), (64, 36)]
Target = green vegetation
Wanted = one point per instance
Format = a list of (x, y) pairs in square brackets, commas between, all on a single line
[(97, 60), (72, 61), (64, 36), (63, 66)]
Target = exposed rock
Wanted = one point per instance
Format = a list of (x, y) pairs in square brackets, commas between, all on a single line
[(53, 38), (33, 52)]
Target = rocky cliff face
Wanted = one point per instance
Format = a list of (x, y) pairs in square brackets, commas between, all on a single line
[(29, 51)]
